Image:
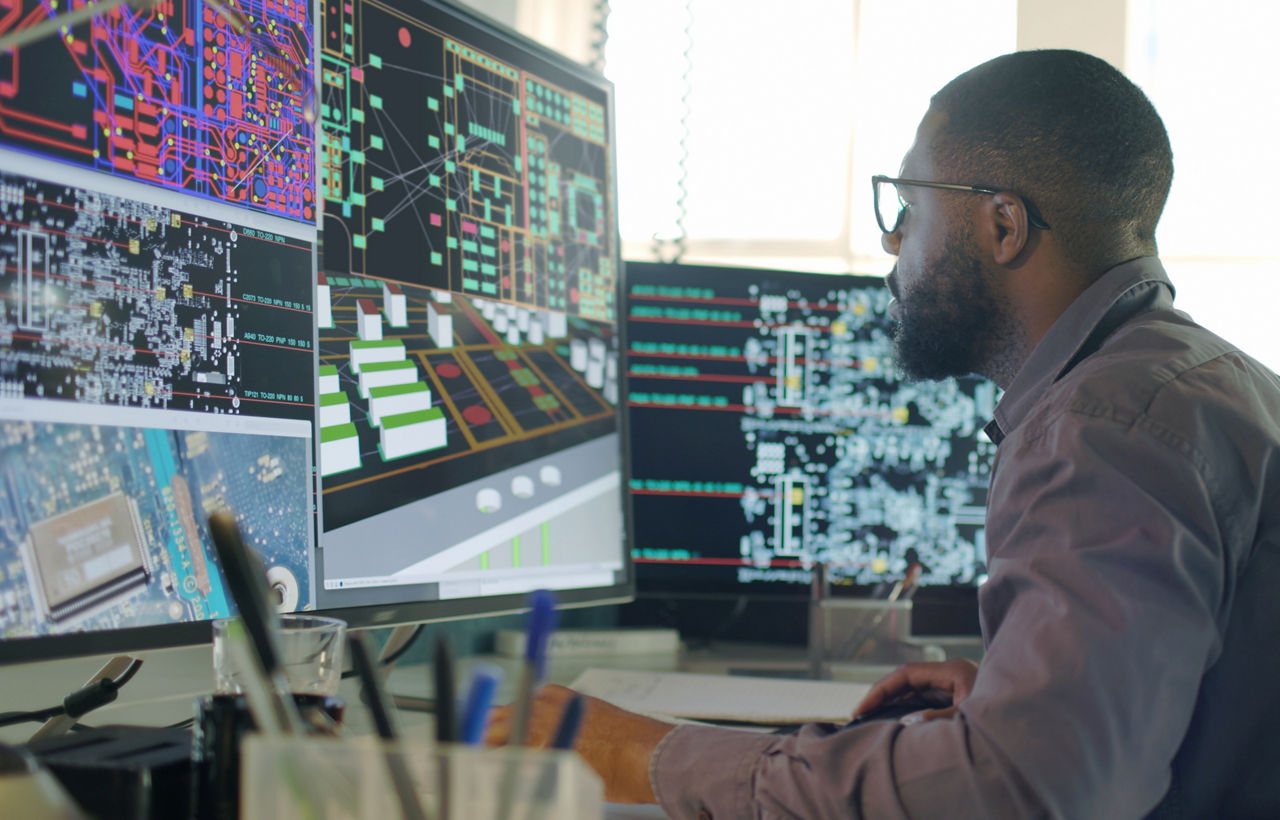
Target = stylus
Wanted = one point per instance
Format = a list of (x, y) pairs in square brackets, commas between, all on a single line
[(265, 686), (380, 711)]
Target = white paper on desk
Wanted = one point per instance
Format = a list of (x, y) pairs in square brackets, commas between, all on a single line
[(723, 697)]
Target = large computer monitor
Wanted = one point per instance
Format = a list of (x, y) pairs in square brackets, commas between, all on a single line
[(770, 431), (352, 276), (470, 258)]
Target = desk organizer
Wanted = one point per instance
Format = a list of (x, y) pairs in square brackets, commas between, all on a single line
[(863, 632), (330, 779)]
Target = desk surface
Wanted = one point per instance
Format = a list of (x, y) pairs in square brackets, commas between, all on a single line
[(164, 689)]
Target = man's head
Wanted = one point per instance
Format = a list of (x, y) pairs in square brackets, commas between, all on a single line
[(1066, 139), (1072, 134)]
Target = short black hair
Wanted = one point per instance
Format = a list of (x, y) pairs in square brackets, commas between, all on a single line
[(1072, 134)]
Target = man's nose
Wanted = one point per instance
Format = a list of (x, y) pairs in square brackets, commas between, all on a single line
[(891, 241)]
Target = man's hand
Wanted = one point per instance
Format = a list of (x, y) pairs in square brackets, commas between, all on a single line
[(945, 683), (616, 743)]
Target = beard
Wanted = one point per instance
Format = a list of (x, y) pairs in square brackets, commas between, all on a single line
[(949, 321)]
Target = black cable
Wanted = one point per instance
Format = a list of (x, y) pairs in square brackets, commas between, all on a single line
[(80, 702), (10, 718), (394, 656), (399, 653)]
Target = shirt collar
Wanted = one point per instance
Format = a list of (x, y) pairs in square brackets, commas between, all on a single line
[(1056, 352)]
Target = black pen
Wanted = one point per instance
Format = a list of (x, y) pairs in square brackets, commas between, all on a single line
[(446, 720), (442, 671), (570, 722), (566, 733), (380, 711)]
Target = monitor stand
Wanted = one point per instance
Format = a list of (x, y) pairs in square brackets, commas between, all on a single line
[(402, 636), (61, 724)]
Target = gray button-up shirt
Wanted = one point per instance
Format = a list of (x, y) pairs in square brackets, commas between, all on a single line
[(1132, 615)]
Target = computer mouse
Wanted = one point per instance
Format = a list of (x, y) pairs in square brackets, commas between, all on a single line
[(895, 709)]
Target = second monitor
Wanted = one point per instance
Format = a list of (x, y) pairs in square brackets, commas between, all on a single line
[(770, 430)]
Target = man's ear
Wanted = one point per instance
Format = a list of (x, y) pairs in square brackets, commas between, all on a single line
[(1006, 228)]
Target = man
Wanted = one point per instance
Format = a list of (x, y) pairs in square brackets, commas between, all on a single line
[(1131, 618)]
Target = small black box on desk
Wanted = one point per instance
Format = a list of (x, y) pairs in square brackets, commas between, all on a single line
[(128, 772)]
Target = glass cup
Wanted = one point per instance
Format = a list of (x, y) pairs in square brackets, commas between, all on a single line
[(311, 648), (311, 652)]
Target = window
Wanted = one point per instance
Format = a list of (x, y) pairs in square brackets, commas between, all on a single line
[(1213, 73), (791, 108)]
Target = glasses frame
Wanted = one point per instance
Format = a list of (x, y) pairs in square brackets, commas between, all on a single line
[(1033, 216)]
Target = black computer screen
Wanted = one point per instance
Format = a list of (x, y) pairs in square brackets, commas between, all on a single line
[(349, 270), (769, 430)]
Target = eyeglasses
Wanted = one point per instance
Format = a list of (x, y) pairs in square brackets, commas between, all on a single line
[(891, 207)]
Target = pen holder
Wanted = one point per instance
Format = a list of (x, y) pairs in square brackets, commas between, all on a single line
[(288, 777), (864, 631)]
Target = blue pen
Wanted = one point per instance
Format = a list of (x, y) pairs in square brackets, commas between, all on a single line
[(542, 614), (542, 617), (485, 679)]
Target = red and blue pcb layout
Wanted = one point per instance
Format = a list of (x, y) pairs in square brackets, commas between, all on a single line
[(211, 98)]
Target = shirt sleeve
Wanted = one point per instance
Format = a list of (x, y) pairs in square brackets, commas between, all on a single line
[(1105, 582)]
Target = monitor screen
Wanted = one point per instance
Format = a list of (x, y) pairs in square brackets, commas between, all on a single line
[(349, 271), (468, 360), (769, 431)]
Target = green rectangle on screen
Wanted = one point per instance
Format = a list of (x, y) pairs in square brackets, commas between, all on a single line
[(337, 431)]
